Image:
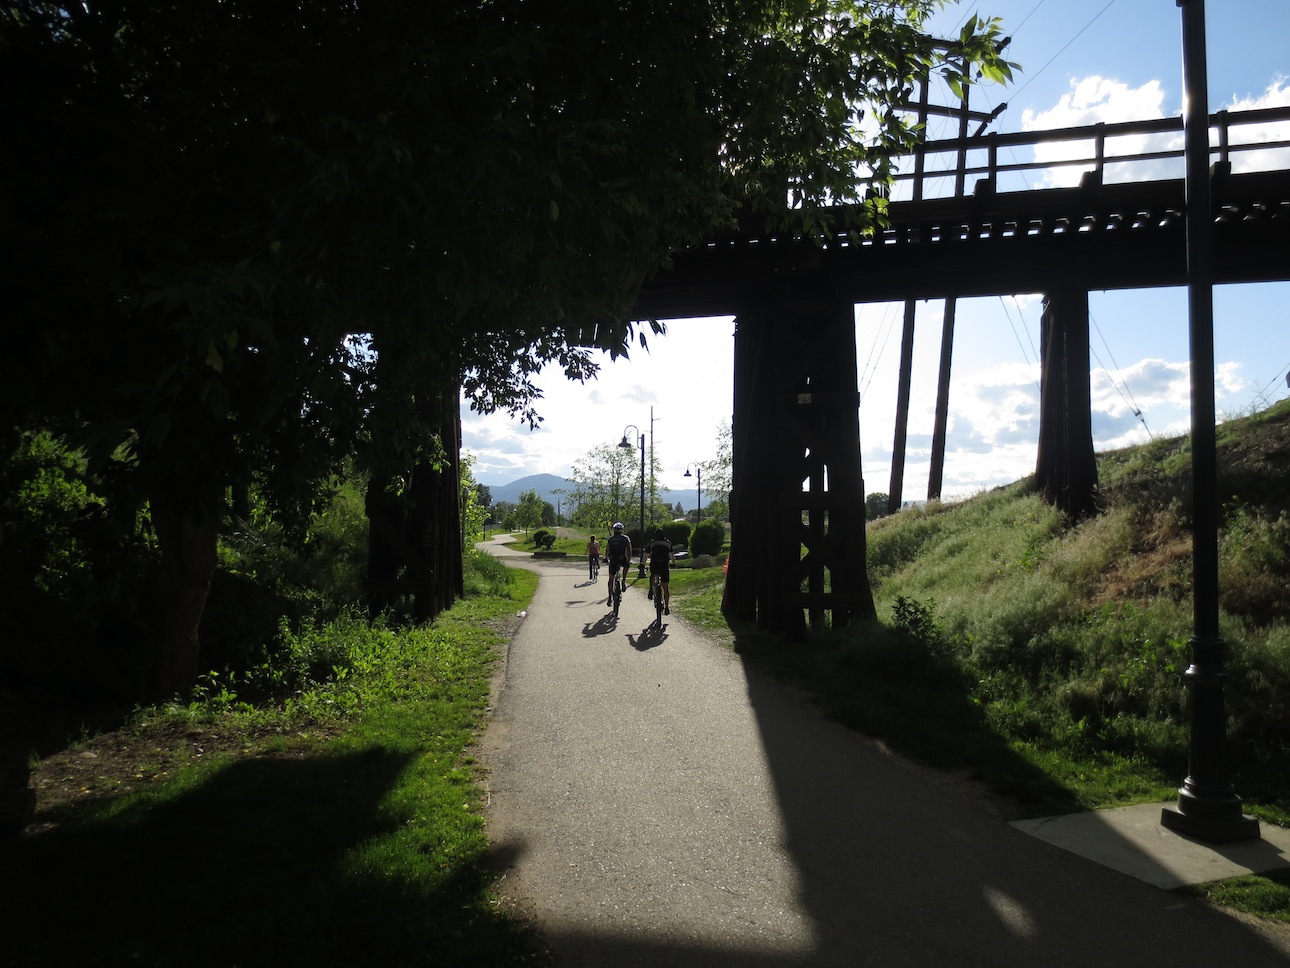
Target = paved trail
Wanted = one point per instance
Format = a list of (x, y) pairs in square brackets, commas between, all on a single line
[(658, 804)]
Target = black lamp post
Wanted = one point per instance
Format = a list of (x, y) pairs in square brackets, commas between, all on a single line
[(698, 476), (1208, 807), (627, 446)]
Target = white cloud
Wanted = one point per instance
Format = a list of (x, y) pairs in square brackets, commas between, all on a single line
[(994, 422), (1100, 100), (1276, 95), (1094, 100)]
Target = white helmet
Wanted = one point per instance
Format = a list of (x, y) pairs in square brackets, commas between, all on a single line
[(618, 526)]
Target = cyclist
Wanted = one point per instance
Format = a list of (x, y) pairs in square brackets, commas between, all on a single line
[(593, 556), (660, 564), (618, 549)]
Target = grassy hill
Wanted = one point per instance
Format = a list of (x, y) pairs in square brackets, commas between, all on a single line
[(1046, 659)]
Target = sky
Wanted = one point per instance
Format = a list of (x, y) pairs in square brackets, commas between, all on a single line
[(1081, 63)]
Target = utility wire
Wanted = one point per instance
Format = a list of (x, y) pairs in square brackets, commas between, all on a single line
[(1131, 403), (1017, 336), (868, 374), (1032, 77), (1262, 395)]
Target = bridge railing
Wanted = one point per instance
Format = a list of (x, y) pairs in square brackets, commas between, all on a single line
[(1132, 151)]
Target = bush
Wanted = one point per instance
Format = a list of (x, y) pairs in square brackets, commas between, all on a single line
[(677, 533), (707, 539)]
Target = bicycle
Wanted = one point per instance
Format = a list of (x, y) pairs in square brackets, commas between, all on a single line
[(595, 568), (656, 593), (617, 582)]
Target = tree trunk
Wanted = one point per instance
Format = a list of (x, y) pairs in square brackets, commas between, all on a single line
[(385, 522), (423, 533), (187, 534)]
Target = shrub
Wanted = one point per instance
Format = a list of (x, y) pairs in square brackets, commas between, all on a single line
[(677, 533), (707, 538)]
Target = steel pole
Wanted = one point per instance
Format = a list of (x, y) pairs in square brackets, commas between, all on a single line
[(641, 572), (1208, 807)]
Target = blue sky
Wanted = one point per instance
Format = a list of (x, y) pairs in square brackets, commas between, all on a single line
[(1082, 63)]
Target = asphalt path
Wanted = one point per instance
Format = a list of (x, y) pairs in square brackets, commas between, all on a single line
[(654, 802)]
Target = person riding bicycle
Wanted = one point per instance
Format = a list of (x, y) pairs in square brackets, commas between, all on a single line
[(593, 556), (618, 549), (660, 565)]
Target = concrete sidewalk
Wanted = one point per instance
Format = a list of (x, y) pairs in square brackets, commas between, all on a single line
[(655, 802)]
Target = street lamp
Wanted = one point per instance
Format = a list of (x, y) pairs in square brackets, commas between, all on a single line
[(625, 445), (1208, 807), (698, 475)]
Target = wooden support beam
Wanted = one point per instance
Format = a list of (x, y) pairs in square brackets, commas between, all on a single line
[(940, 428), (797, 478), (1065, 465), (896, 488)]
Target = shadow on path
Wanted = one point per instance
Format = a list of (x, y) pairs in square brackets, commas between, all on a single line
[(602, 626), (651, 637), (671, 806)]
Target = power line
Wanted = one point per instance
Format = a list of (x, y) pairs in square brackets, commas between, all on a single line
[(1032, 77), (1024, 355), (867, 374), (1263, 394), (1131, 403)]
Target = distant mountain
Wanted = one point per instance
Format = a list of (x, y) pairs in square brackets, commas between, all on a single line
[(545, 484)]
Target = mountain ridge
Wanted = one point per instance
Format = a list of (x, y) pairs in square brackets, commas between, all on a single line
[(547, 486)]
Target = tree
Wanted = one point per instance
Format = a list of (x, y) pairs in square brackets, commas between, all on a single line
[(604, 486), (875, 505), (529, 512), (251, 240), (474, 506), (717, 474)]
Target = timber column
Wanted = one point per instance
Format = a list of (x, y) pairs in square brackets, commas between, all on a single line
[(797, 502), (1066, 467)]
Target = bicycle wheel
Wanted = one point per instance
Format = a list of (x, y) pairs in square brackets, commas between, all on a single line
[(658, 601), (617, 595)]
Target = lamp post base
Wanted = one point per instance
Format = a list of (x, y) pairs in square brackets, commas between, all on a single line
[(1211, 829)]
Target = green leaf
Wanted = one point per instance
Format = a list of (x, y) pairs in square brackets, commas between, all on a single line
[(213, 358)]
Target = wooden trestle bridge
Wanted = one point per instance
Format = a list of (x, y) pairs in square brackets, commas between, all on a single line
[(797, 480)]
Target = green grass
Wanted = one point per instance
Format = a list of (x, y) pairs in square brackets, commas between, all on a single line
[(696, 593), (347, 831), (573, 547), (1263, 895)]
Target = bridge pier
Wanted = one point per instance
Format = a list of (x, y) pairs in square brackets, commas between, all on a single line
[(1065, 464), (797, 501)]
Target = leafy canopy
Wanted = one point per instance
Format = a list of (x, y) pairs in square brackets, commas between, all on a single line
[(253, 229)]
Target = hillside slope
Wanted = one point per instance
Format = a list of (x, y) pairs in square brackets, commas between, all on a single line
[(1074, 639)]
